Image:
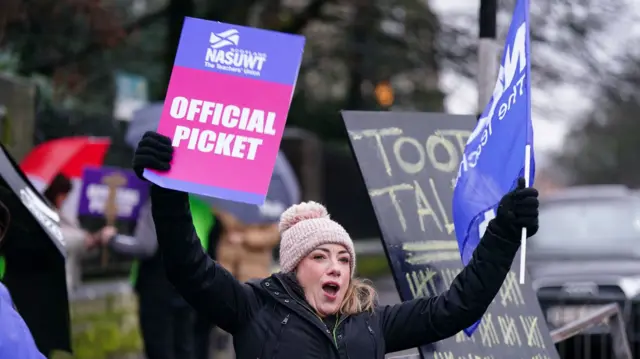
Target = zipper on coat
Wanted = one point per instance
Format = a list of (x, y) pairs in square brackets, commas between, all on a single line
[(304, 305), (373, 337), (308, 308), (346, 347), (340, 320), (278, 338)]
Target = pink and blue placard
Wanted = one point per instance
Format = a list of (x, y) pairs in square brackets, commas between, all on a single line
[(226, 109)]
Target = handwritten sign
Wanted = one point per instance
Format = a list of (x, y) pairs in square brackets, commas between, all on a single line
[(226, 108), (409, 162), (111, 192)]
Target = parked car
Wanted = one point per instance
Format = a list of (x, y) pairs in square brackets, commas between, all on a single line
[(585, 255)]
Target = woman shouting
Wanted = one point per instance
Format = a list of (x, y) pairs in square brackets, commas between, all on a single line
[(314, 307)]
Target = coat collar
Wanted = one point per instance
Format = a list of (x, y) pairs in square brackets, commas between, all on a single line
[(289, 294)]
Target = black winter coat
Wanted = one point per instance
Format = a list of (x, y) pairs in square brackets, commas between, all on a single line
[(269, 321)]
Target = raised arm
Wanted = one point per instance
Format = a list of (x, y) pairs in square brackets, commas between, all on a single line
[(208, 287), (429, 319)]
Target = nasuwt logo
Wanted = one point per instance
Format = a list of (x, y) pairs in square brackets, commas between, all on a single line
[(224, 54), (225, 38), (505, 95)]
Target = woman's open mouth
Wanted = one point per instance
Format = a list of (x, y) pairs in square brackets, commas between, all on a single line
[(331, 290)]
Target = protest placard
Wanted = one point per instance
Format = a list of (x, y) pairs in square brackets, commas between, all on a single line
[(226, 108), (409, 162), (110, 191)]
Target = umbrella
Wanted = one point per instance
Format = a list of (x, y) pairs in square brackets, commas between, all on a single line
[(34, 253), (67, 156), (283, 192), (143, 120)]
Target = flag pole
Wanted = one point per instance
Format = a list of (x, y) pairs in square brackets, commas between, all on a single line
[(527, 158), (523, 241), (488, 60)]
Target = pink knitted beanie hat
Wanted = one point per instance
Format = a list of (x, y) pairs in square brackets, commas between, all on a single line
[(306, 226)]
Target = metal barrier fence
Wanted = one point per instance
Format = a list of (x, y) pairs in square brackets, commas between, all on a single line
[(610, 316)]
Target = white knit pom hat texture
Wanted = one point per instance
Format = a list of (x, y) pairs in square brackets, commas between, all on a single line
[(304, 227)]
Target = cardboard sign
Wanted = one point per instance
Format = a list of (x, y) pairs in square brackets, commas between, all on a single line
[(226, 108), (409, 162), (104, 187)]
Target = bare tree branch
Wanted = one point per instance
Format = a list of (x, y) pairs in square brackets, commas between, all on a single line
[(300, 20), (603, 146), (565, 40), (296, 25), (51, 64)]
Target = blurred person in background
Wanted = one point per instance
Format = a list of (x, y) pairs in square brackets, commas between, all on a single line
[(77, 240), (246, 250)]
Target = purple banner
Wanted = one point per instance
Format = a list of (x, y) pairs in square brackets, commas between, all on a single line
[(97, 186)]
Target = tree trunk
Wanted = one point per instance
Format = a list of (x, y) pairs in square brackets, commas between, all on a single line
[(364, 18), (178, 9)]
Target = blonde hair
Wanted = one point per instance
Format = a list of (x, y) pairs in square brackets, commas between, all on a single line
[(360, 297)]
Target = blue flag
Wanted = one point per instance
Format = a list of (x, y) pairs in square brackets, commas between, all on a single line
[(494, 155)]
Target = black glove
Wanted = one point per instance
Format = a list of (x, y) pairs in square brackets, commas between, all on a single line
[(154, 152), (517, 209)]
